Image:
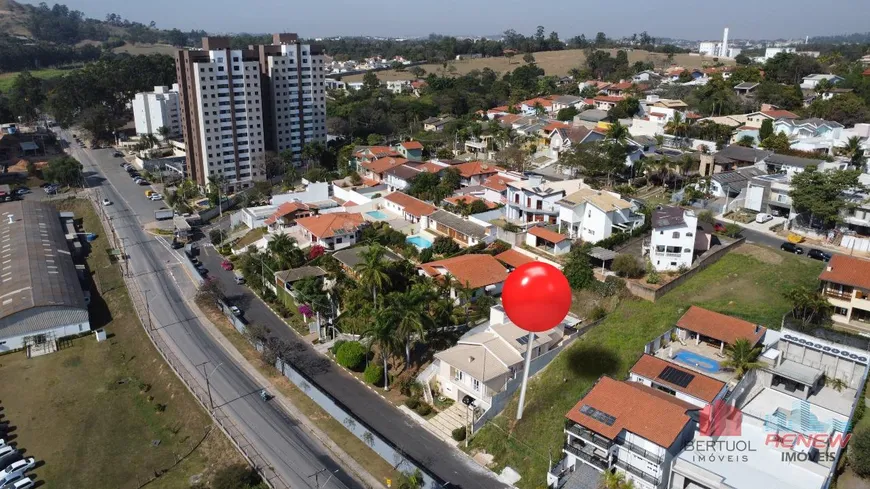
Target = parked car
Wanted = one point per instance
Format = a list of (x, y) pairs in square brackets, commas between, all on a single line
[(762, 218), (142, 181), (155, 196), (176, 244), (107, 202), (17, 468), (718, 227), (236, 311), (819, 255), (792, 248), (45, 184), (124, 165), (22, 483), (21, 191), (148, 193), (118, 154), (227, 265)]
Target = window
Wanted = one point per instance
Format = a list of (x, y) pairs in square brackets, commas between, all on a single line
[(476, 384), (676, 234)]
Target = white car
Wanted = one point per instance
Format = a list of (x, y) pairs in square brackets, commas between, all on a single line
[(19, 483), (236, 311), (762, 218), (15, 469), (107, 202), (7, 450), (156, 196)]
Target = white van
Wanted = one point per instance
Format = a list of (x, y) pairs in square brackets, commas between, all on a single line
[(762, 218), (240, 279)]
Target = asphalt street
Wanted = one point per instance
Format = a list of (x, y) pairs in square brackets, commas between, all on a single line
[(156, 269)]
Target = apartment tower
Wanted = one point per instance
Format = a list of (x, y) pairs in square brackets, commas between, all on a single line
[(236, 104)]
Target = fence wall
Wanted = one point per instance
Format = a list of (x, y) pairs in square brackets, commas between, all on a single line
[(652, 294)]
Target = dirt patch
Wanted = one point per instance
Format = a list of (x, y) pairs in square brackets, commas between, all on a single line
[(761, 254)]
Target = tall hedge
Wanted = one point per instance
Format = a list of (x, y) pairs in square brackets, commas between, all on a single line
[(350, 354)]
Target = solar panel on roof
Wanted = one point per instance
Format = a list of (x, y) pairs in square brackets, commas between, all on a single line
[(676, 377), (524, 340), (597, 415)]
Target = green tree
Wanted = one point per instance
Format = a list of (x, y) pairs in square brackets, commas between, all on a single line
[(859, 450), (766, 129), (746, 140), (350, 354), (625, 108), (163, 131), (64, 170), (741, 357), (371, 83), (808, 306), (382, 333), (529, 58), (413, 319), (372, 272), (742, 59), (847, 109), (577, 269), (677, 126), (778, 142), (821, 194), (237, 476), (285, 251), (567, 114), (26, 96), (854, 152)]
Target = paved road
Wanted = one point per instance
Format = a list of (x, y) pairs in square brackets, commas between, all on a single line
[(763, 239), (444, 461), (293, 454)]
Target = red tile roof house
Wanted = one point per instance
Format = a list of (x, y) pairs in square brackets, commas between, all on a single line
[(475, 172), (463, 200), (363, 154), (846, 284), (715, 329), (496, 188), (412, 150), (374, 170), (686, 385), (548, 241), (286, 214), (410, 208), (606, 102), (334, 231), (483, 274), (625, 427)]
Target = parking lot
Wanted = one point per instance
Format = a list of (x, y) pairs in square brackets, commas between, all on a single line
[(16, 463)]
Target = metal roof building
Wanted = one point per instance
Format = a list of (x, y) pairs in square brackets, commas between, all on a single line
[(41, 298)]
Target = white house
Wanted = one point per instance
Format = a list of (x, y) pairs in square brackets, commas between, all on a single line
[(810, 82), (680, 382), (534, 200), (549, 241), (399, 177), (563, 139), (482, 363), (672, 245), (410, 208), (314, 192), (399, 86), (334, 231), (626, 427), (467, 232), (593, 215), (153, 110)]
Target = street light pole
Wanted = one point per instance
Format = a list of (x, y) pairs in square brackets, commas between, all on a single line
[(207, 382), (147, 309)]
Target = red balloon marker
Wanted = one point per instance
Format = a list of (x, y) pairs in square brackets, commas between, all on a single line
[(536, 297)]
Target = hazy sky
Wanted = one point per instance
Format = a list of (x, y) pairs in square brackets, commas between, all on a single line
[(690, 19)]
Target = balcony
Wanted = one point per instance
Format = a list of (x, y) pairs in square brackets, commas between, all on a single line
[(588, 457), (652, 457), (634, 471), (589, 436), (835, 294), (548, 210)]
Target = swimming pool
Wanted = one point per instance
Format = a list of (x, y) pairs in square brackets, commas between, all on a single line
[(378, 215), (419, 242), (697, 361)]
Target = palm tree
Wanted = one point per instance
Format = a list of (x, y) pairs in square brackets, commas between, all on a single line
[(163, 131), (282, 246), (382, 332), (617, 132), (677, 125), (742, 357), (616, 480), (372, 271), (854, 151), (414, 319), (149, 140)]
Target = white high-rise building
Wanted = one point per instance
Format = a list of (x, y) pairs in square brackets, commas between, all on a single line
[(153, 110), (294, 78)]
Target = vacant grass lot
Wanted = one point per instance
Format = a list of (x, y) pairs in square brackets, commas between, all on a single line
[(552, 62), (6, 79), (747, 283), (146, 49), (83, 411)]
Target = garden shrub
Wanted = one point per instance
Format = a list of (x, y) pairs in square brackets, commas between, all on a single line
[(350, 355), (423, 409), (412, 402), (458, 434), (374, 374), (627, 266)]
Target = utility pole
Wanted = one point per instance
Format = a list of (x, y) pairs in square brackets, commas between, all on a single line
[(317, 479), (207, 382), (147, 309)]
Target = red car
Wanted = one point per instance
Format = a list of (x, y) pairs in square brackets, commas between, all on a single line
[(719, 227), (227, 265)]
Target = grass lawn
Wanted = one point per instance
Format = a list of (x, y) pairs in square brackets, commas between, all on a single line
[(6, 79), (747, 283), (252, 237), (82, 410)]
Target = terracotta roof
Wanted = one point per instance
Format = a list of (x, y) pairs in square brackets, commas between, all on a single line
[(701, 387), (719, 326), (608, 98), (555, 125), (847, 270), (383, 164), (473, 168), (377, 151), (419, 84), (431, 167), (692, 115), (646, 412), (620, 86), (513, 258), (510, 118), (284, 209), (415, 207), (472, 271), (866, 72), (468, 199), (326, 225), (412, 145), (497, 183), (538, 100), (500, 108), (548, 235), (780, 114)]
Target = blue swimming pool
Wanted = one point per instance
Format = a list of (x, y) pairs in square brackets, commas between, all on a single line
[(419, 242), (697, 361), (378, 215)]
